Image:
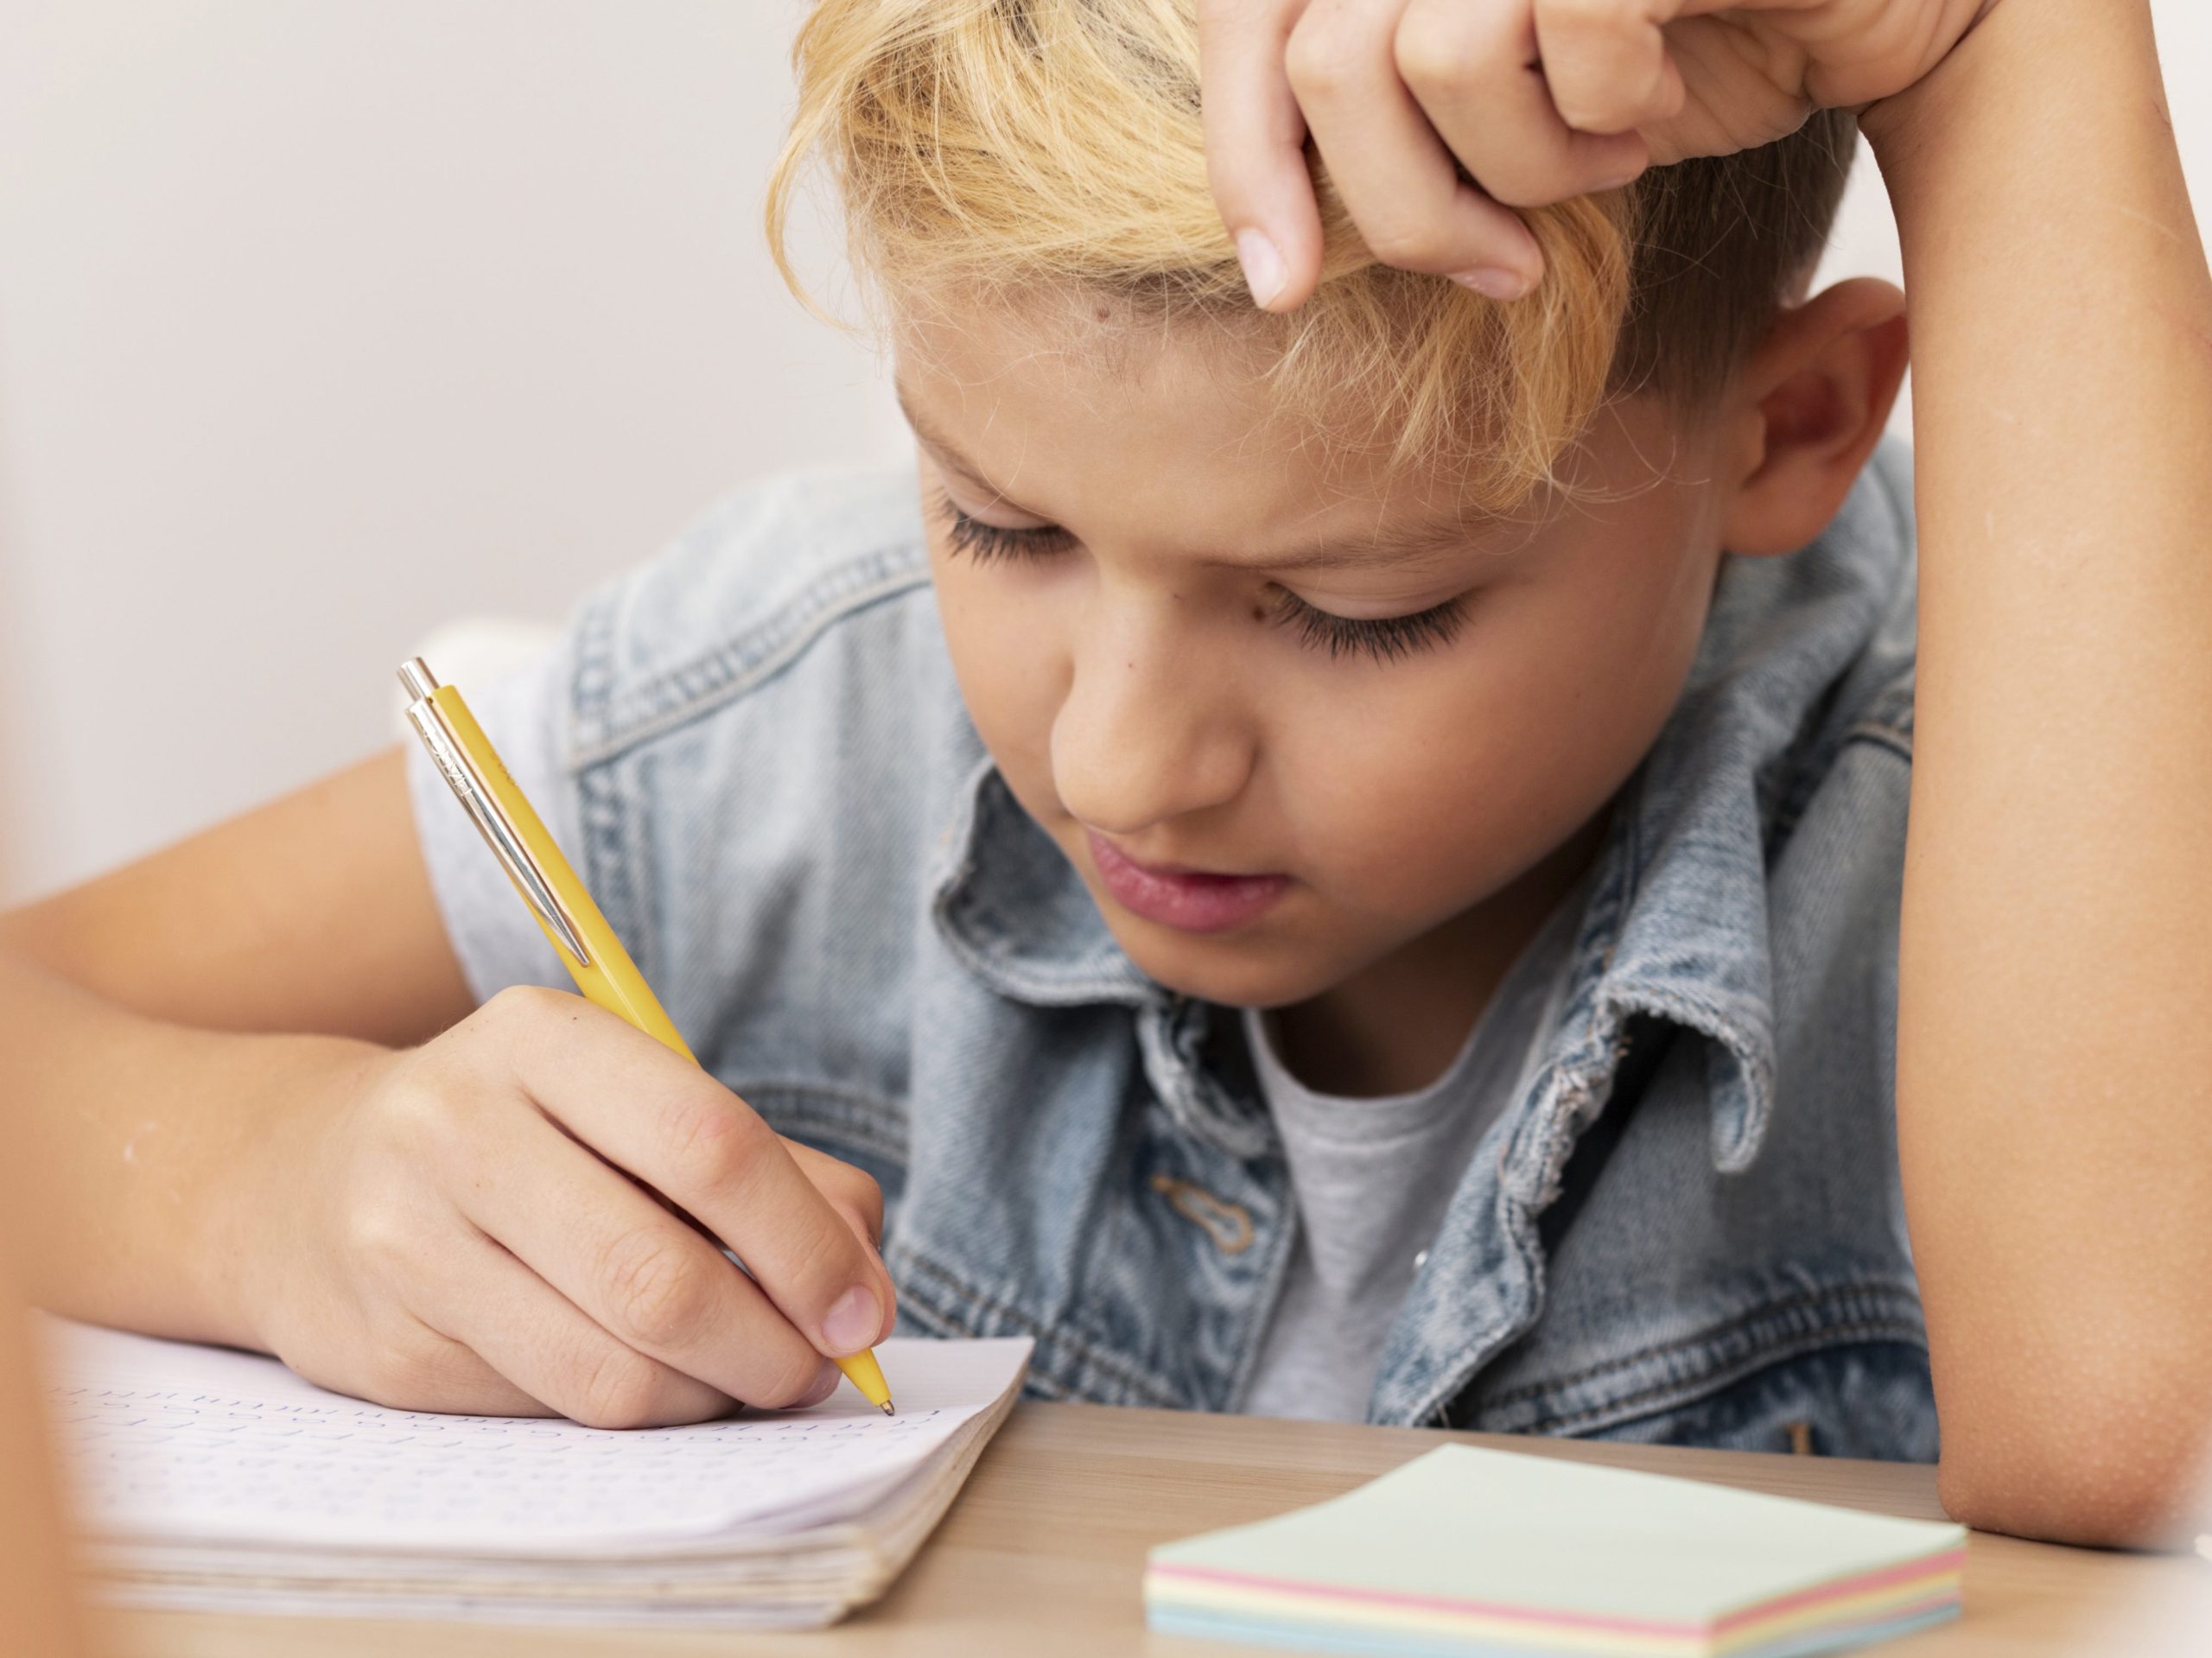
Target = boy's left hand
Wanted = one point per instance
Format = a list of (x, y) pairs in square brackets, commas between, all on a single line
[(1534, 100)]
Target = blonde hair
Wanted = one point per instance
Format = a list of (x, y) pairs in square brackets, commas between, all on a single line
[(993, 149)]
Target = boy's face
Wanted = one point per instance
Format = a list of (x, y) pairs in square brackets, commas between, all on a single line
[(1288, 719)]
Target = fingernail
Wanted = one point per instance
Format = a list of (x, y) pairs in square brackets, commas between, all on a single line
[(1493, 282), (824, 1385), (854, 1320), (1262, 265)]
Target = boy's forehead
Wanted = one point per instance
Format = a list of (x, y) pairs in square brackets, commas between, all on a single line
[(1170, 431)]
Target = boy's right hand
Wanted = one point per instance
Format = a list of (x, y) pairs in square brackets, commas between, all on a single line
[(472, 1231)]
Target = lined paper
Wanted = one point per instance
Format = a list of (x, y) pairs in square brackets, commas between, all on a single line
[(171, 1441)]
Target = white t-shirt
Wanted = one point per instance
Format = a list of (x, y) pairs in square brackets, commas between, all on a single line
[(1372, 1177)]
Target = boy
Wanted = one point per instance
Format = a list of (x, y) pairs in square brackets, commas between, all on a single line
[(1334, 868)]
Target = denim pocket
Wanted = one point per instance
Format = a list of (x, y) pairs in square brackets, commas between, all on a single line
[(1857, 1399), (1842, 1369)]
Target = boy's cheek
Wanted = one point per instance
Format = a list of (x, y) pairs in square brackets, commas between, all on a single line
[(1426, 817), (1012, 673)]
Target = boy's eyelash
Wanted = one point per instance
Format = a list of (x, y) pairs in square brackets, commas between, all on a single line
[(1384, 638), (988, 544)]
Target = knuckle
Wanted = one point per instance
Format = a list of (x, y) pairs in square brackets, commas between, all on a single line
[(427, 1069), (520, 1005), (421, 1116), (619, 1388), (514, 1021), (1319, 63), (406, 1114), (862, 1192), (1594, 112), (714, 1139), (654, 1287), (425, 1117), (1409, 247), (1524, 181), (1435, 53), (381, 1236)]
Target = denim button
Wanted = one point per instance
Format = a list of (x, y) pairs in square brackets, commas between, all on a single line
[(1229, 1225)]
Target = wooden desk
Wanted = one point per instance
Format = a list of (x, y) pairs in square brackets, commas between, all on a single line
[(1041, 1555)]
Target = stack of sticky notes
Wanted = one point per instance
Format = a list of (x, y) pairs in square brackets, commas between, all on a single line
[(1494, 1553)]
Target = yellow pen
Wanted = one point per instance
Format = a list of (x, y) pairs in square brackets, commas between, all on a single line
[(571, 921)]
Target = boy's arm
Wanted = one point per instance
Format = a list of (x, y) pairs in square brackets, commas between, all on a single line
[(2054, 1041), (193, 1061), (312, 913), (122, 1003)]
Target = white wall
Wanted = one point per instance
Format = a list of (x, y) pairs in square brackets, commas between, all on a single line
[(322, 324)]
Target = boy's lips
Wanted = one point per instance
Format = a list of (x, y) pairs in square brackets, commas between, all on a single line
[(1190, 900)]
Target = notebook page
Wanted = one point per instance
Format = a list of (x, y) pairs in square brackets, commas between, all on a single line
[(168, 1441)]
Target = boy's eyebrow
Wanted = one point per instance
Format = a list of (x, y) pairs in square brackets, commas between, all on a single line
[(1407, 543), (1395, 544), (942, 448)]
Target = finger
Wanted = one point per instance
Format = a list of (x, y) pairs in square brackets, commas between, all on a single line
[(851, 1193), (1255, 148), (1474, 70), (1606, 63), (662, 1119), (538, 1340), (642, 1278), (1397, 179)]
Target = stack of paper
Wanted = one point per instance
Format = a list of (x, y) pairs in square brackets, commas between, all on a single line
[(1465, 1551), (219, 1480)]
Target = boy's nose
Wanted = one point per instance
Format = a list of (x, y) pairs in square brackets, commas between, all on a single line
[(1148, 731)]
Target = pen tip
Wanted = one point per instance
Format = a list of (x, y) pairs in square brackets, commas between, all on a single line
[(887, 1411)]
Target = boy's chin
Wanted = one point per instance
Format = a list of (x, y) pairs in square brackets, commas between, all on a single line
[(1229, 969)]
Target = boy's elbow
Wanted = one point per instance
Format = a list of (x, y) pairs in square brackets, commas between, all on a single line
[(2095, 1485)]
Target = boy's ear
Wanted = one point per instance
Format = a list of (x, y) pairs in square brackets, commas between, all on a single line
[(1809, 405)]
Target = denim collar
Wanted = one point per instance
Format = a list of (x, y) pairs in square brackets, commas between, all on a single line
[(1014, 910), (1011, 908), (1676, 927)]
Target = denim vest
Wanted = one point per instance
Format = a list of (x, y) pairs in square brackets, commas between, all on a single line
[(1687, 1226)]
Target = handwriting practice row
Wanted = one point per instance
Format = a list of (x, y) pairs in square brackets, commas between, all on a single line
[(269, 1458)]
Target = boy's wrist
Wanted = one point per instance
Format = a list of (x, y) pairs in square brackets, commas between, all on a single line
[(1895, 123), (2030, 34), (242, 1239)]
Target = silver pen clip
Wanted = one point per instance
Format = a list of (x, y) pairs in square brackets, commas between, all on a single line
[(483, 808)]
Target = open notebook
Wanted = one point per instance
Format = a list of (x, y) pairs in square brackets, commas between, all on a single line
[(219, 1480)]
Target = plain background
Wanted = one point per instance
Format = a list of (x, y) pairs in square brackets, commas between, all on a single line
[(323, 325)]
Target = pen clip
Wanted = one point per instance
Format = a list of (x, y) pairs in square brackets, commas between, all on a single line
[(475, 795)]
